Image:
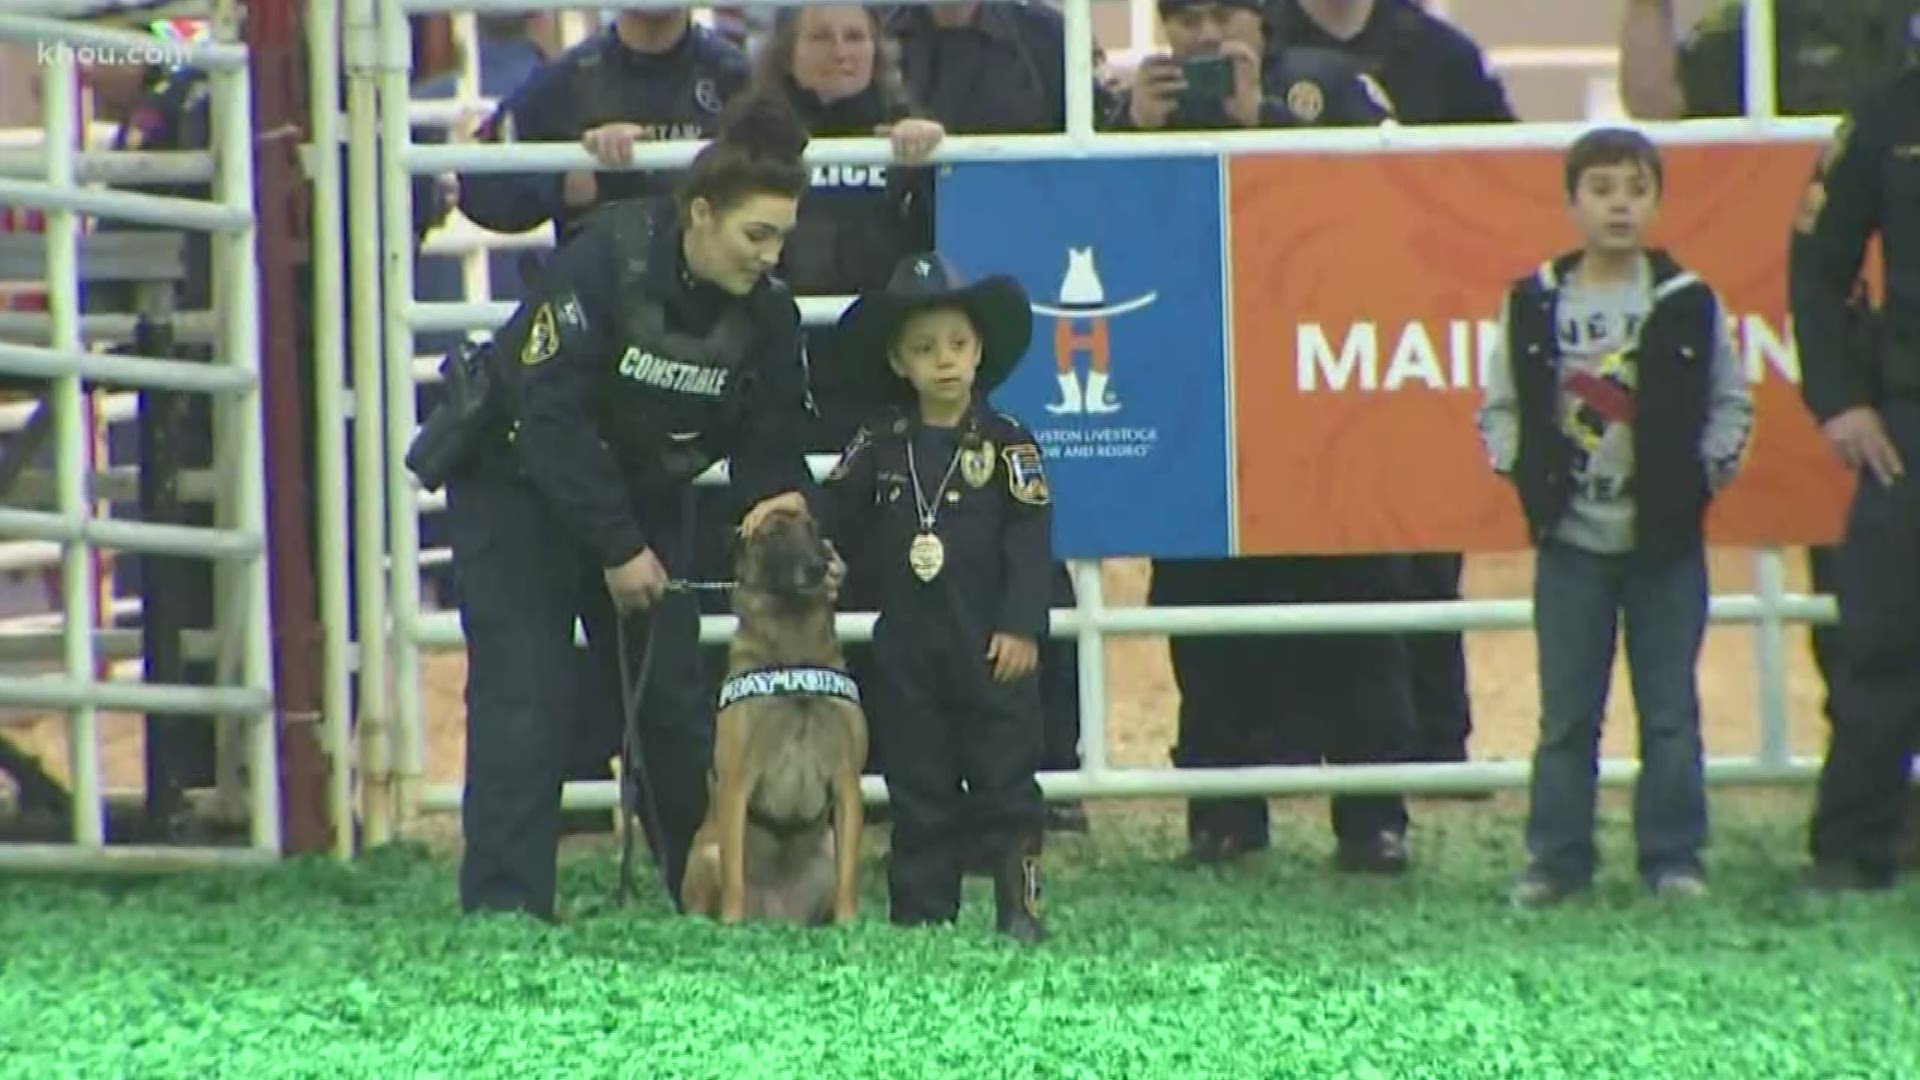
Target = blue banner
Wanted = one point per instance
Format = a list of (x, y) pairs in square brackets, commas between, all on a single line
[(1125, 385)]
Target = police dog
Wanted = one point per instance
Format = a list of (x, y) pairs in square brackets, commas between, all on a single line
[(781, 839)]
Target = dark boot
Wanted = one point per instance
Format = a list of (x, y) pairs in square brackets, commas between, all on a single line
[(1016, 897)]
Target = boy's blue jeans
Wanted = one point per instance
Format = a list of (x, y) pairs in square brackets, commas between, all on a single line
[(1579, 598)]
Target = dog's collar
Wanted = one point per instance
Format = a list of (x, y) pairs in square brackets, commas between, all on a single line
[(788, 682)]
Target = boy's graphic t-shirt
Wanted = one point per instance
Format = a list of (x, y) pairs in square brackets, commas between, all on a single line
[(1597, 327)]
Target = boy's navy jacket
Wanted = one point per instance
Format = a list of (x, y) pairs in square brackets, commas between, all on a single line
[(1673, 484), (996, 524)]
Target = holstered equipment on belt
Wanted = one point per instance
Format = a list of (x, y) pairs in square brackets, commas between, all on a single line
[(467, 416)]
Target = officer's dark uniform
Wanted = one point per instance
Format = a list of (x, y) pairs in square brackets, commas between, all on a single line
[(1354, 688), (1003, 74), (1434, 74), (1827, 55), (951, 723), (677, 94), (1869, 183), (627, 377)]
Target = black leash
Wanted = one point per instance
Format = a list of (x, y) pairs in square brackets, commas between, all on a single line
[(639, 784), (633, 766)]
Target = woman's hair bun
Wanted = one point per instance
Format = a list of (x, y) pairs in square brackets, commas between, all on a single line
[(764, 122)]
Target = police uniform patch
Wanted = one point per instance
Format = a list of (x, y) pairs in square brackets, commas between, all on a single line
[(855, 447), (1306, 101), (543, 339), (1026, 480), (706, 95), (976, 464), (1813, 202)]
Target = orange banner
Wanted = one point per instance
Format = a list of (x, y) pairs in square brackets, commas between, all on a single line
[(1365, 298)]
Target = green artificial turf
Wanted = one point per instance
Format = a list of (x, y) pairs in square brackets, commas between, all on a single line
[(1274, 968)]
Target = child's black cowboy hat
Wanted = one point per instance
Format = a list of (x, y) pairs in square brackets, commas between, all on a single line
[(996, 305)]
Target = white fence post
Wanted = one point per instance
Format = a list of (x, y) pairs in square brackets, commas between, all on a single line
[(327, 234), (233, 379)]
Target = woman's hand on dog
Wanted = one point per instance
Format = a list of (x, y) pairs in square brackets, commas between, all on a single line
[(791, 502), (637, 583), (836, 571), (1012, 656)]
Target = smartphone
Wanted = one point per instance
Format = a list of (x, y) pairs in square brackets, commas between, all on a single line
[(1209, 78)]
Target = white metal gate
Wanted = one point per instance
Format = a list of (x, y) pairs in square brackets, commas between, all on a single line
[(239, 642), (387, 316)]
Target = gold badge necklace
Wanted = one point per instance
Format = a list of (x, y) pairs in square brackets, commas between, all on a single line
[(927, 555)]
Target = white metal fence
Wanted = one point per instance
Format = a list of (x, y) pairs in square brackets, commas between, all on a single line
[(241, 636), (376, 57)]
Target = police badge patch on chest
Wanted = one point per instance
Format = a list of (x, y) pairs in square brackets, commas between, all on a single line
[(543, 338), (976, 464), (1026, 480)]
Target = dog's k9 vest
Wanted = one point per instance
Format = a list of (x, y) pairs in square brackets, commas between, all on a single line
[(789, 682)]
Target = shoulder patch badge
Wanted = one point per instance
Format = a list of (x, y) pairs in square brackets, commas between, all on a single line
[(976, 464), (1306, 101), (1813, 202), (1026, 480), (857, 446), (543, 338)]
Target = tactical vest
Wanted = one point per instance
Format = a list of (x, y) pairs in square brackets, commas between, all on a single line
[(1674, 361), (668, 392)]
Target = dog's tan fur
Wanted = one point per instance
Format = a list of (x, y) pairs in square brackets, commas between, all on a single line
[(790, 762)]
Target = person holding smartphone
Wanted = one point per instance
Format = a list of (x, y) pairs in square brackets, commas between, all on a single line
[(1354, 689), (1213, 76)]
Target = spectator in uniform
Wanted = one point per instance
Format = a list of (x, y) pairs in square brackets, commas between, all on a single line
[(842, 75), (652, 75), (1433, 74), (1867, 401), (508, 57), (1333, 679), (656, 344), (985, 67), (1827, 55), (998, 67)]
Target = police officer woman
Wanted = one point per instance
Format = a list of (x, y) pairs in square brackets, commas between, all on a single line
[(656, 345)]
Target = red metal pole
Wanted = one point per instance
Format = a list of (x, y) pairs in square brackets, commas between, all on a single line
[(279, 117)]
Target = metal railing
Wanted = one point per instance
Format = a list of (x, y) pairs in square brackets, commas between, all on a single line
[(387, 314), (242, 636)]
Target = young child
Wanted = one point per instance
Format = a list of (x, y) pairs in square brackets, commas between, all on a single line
[(1618, 408), (950, 502)]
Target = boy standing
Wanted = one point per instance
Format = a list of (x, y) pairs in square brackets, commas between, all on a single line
[(1618, 408), (950, 503)]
